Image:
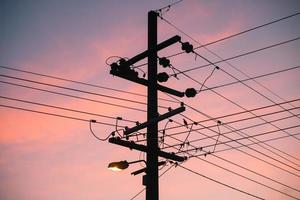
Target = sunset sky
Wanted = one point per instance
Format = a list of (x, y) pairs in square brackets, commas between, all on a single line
[(50, 155)]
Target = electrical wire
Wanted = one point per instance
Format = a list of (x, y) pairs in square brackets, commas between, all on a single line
[(235, 121), (251, 88), (236, 113), (259, 152), (245, 177), (231, 131), (215, 119), (73, 96), (177, 133), (242, 167), (256, 91), (227, 63), (63, 108), (234, 103), (72, 89), (219, 182), (254, 143), (247, 137), (77, 82), (95, 135), (252, 78), (55, 115), (229, 58), (204, 82), (169, 6), (228, 74), (140, 192), (246, 153), (231, 36), (250, 179), (252, 126)]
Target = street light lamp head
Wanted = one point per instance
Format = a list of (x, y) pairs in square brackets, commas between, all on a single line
[(118, 166)]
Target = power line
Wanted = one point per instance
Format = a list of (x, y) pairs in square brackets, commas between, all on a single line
[(243, 112), (210, 137), (73, 96), (167, 7), (251, 78), (256, 91), (245, 177), (73, 89), (239, 120), (243, 134), (222, 39), (247, 137), (242, 167), (254, 143), (250, 179), (264, 142), (240, 144), (212, 118), (140, 192), (67, 109), (223, 60), (234, 103), (259, 152), (229, 58), (216, 181), (231, 76), (231, 131), (225, 38), (56, 115), (78, 82)]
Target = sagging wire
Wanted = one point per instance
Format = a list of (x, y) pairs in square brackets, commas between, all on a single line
[(111, 134), (111, 57), (174, 73), (188, 48), (144, 73), (218, 124), (116, 126), (203, 84), (162, 138), (188, 135), (98, 138)]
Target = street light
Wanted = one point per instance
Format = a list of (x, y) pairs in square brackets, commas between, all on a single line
[(121, 165)]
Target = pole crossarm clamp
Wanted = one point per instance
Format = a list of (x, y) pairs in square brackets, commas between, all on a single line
[(159, 118), (139, 147), (145, 169)]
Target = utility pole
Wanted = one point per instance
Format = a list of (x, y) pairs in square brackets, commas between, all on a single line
[(152, 112), (122, 69)]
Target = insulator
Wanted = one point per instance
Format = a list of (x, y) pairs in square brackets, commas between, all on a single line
[(123, 66), (187, 47), (162, 77), (114, 67), (122, 61), (164, 62), (190, 92)]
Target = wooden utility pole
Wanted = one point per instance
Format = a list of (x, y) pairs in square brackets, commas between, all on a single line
[(152, 112), (122, 69)]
